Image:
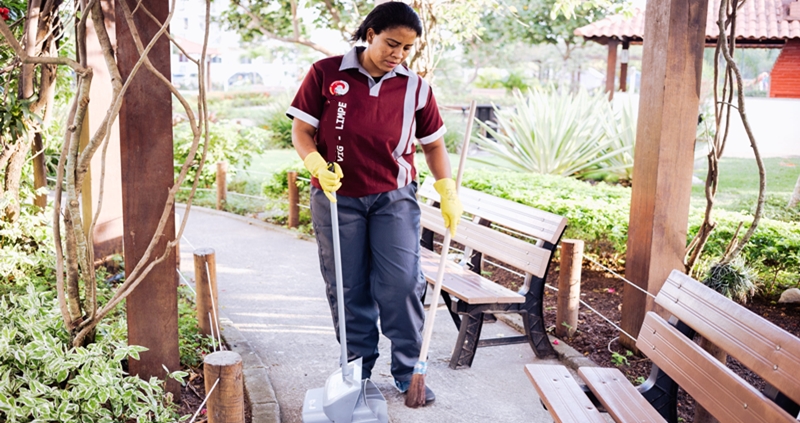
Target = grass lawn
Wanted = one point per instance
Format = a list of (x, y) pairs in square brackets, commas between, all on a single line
[(738, 185)]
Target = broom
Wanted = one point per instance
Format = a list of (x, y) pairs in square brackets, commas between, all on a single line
[(416, 391)]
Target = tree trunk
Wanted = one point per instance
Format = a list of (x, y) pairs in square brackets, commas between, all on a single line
[(795, 195), (13, 176)]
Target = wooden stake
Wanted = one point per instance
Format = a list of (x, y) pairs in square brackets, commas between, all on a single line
[(205, 290), (569, 287), (226, 402), (294, 210), (222, 184)]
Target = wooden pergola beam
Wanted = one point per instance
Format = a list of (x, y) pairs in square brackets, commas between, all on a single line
[(611, 66), (664, 155)]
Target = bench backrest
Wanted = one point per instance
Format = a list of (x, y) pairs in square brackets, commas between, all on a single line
[(532, 222), (517, 217), (758, 344)]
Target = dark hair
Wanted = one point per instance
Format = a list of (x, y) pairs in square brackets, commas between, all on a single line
[(387, 16)]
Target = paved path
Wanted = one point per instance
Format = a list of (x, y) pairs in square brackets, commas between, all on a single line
[(271, 289)]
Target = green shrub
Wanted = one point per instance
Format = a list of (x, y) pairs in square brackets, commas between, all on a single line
[(228, 142), (599, 216), (44, 379), (556, 133), (28, 254), (278, 124)]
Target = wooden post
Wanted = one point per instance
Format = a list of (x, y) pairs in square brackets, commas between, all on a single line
[(226, 401), (569, 287), (623, 66), (662, 174), (145, 125), (222, 184), (294, 209), (205, 283), (611, 67)]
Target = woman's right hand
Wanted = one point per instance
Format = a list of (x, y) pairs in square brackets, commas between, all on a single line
[(330, 181)]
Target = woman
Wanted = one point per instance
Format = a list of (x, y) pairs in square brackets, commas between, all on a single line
[(361, 112)]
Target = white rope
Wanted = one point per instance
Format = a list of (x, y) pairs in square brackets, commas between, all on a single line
[(300, 178), (251, 171), (187, 241), (599, 314), (208, 395), (186, 282), (303, 206), (213, 304), (618, 276)]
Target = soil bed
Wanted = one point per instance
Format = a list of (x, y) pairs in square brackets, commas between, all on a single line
[(598, 340)]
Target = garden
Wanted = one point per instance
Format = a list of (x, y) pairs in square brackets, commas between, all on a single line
[(553, 144)]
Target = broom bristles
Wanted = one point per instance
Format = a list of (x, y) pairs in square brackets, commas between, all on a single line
[(415, 397)]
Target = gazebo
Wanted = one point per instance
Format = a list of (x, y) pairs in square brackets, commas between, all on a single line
[(759, 24)]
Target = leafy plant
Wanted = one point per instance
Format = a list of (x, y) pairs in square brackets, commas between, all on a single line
[(551, 132), (43, 378), (27, 246), (278, 124), (618, 359), (228, 142), (733, 280)]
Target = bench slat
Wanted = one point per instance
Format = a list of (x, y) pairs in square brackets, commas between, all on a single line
[(726, 396), (519, 217), (619, 397), (466, 285), (562, 395), (757, 343), (517, 253)]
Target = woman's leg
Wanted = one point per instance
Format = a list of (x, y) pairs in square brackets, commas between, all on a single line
[(360, 309), (397, 282)]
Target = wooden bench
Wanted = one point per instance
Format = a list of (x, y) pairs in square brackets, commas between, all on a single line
[(470, 296), (759, 345)]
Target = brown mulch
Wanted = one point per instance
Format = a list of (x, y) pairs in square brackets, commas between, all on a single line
[(598, 340), (194, 392)]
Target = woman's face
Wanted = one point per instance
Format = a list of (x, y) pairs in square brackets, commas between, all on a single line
[(387, 49)]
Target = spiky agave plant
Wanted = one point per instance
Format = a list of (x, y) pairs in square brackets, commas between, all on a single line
[(733, 279)]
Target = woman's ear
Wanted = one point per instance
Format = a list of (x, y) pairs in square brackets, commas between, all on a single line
[(370, 35)]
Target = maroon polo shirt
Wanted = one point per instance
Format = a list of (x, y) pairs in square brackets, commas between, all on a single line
[(367, 127)]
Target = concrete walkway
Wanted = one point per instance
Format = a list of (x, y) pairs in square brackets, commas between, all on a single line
[(271, 294)]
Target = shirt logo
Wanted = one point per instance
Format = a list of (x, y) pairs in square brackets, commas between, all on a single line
[(339, 88)]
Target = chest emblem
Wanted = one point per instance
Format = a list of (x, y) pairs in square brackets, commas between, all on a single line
[(339, 88)]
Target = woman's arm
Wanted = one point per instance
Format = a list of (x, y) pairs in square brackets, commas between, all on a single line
[(303, 138), (437, 159)]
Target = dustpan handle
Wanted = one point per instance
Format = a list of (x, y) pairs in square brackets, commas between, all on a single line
[(337, 261)]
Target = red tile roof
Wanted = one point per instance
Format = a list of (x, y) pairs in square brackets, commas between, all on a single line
[(757, 21)]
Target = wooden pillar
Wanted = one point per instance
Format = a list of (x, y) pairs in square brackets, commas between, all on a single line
[(205, 282), (294, 209), (222, 184), (623, 66), (662, 174), (569, 287), (611, 67), (145, 124), (222, 372)]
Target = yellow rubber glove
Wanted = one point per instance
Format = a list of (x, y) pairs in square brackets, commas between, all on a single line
[(450, 204), (328, 180)]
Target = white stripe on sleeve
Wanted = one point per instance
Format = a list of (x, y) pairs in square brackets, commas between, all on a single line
[(434, 136), (305, 117)]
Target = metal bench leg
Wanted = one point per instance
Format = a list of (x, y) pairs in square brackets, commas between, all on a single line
[(448, 300), (468, 336), (537, 335)]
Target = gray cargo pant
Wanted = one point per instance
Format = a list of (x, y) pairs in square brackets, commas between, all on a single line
[(379, 236)]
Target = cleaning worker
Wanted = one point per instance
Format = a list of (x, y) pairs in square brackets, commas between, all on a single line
[(362, 112)]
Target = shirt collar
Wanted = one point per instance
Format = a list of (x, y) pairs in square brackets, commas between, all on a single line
[(350, 61)]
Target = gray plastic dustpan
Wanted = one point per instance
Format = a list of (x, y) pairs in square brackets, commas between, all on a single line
[(345, 397), (346, 400)]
